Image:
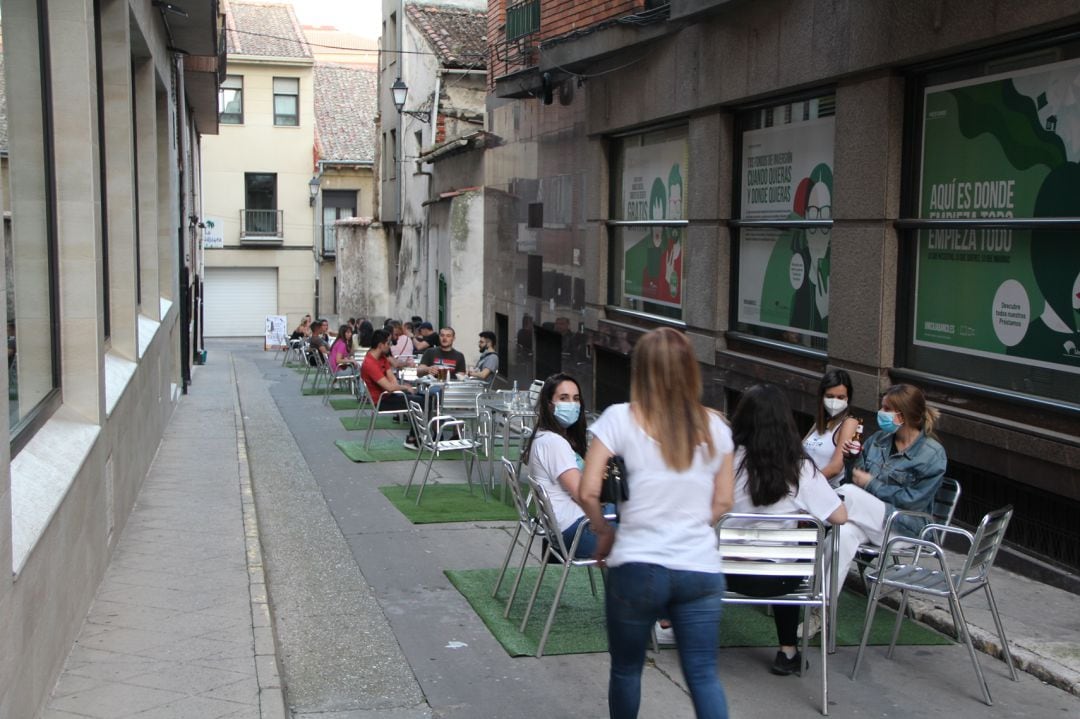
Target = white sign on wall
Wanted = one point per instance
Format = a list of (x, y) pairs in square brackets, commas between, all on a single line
[(213, 234)]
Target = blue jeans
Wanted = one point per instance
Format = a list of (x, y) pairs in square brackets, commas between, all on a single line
[(639, 594), (586, 547)]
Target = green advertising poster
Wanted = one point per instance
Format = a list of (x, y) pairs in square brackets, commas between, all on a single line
[(1002, 146), (653, 188), (784, 274)]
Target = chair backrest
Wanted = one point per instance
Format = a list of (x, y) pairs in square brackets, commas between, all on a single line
[(460, 397), (534, 390), (490, 382), (545, 515), (521, 502), (985, 545), (945, 501), (419, 422), (407, 374), (773, 545)]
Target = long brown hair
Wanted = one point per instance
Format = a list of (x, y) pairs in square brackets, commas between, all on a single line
[(665, 389), (909, 401)]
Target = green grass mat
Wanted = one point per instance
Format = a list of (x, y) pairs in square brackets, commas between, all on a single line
[(362, 422), (340, 403), (321, 389), (391, 450), (579, 622), (447, 503)]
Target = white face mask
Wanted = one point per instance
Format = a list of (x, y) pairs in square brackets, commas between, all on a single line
[(835, 406)]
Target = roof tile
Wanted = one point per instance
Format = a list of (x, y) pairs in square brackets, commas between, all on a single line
[(265, 29), (457, 34), (345, 105)]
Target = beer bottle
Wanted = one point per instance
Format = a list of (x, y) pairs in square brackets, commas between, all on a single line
[(856, 439)]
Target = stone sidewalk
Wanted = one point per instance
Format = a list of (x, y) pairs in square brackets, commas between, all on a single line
[(180, 626)]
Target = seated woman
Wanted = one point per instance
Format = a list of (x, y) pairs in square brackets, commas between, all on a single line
[(773, 475), (554, 455), (340, 359), (303, 330), (833, 427)]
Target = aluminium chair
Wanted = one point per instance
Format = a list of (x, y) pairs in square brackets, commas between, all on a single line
[(940, 581), (780, 545), (556, 552), (379, 411), (293, 351), (351, 380), (429, 439), (526, 523)]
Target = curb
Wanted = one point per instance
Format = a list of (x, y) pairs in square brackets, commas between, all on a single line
[(272, 703)]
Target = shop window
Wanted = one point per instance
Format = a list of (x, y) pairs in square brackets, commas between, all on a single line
[(231, 100), (649, 222), (28, 198), (286, 101), (784, 206), (992, 241)]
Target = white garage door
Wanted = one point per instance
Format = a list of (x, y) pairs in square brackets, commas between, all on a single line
[(238, 299)]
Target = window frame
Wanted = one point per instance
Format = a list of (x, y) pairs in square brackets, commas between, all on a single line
[(275, 95), (221, 104)]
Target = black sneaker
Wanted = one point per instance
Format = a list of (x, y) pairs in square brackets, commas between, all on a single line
[(783, 666), (410, 443)]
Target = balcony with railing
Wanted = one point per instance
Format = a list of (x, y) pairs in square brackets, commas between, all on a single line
[(261, 227)]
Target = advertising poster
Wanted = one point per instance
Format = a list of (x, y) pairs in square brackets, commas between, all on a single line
[(277, 332), (784, 274), (653, 188), (1002, 146), (213, 237)]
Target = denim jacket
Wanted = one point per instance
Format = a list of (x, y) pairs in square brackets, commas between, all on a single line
[(902, 480)]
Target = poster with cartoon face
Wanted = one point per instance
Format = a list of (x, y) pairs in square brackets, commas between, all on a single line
[(654, 185), (784, 274), (1002, 146)]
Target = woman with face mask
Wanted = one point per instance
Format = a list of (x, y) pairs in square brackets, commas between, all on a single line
[(833, 427), (898, 467), (555, 454)]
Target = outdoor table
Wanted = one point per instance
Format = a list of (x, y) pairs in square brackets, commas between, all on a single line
[(510, 408)]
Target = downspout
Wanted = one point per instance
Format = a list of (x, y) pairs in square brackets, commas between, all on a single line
[(432, 247)]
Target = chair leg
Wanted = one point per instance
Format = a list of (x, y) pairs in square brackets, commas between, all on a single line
[(826, 626), (517, 579), (871, 608), (900, 613), (536, 589), (592, 581), (427, 474), (506, 560), (1000, 631), (370, 429), (554, 608), (962, 628), (416, 464)]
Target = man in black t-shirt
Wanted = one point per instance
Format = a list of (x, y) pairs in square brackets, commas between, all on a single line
[(425, 337), (444, 359)]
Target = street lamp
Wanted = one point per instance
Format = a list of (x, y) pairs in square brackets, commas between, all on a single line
[(313, 188), (399, 90)]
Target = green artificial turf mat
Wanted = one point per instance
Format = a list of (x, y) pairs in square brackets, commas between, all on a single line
[(362, 422), (391, 450), (579, 622), (447, 503), (340, 403), (321, 389)]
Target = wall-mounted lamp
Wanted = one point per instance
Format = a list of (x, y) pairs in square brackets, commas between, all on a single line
[(313, 188), (400, 91)]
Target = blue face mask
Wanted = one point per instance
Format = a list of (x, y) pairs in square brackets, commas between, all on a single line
[(567, 413), (886, 422)]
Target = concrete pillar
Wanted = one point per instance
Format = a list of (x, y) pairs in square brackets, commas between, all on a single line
[(146, 148), (465, 283)]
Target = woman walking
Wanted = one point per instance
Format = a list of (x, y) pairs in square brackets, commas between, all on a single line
[(663, 561)]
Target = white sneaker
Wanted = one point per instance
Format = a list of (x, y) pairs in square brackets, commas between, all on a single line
[(812, 624), (665, 636)]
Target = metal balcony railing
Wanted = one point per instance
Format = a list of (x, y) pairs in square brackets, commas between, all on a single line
[(329, 241), (522, 18), (261, 225)]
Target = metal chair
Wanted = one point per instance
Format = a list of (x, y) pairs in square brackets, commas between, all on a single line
[(293, 351), (352, 380), (556, 552), (775, 545), (526, 523), (378, 411), (316, 365), (943, 582), (428, 439)]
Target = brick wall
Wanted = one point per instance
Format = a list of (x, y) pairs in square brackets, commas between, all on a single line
[(557, 18)]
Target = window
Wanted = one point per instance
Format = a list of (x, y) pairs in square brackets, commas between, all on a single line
[(337, 205), (287, 101), (784, 205), (260, 205), (28, 204), (649, 222), (522, 18), (231, 100), (994, 298)]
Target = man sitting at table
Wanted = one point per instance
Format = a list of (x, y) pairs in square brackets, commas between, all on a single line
[(401, 344), (317, 342), (425, 338), (488, 363), (379, 377), (443, 361)]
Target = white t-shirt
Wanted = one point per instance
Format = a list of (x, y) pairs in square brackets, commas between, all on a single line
[(550, 456), (668, 518), (821, 447), (814, 496)]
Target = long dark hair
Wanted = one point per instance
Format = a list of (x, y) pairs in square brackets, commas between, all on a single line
[(365, 332), (832, 378), (574, 434), (773, 455)]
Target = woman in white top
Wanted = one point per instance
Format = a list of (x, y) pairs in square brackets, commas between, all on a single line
[(833, 426), (663, 560), (773, 475), (554, 455)]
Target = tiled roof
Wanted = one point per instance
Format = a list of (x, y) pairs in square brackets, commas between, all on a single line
[(457, 34), (266, 29), (345, 102)]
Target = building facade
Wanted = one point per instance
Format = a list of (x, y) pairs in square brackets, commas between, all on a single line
[(801, 185), (99, 165), (262, 255)]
